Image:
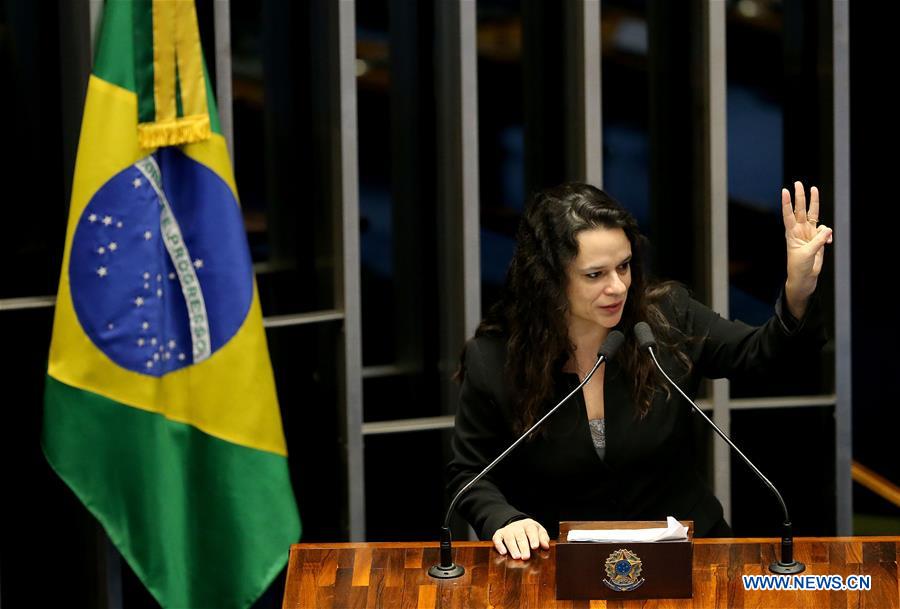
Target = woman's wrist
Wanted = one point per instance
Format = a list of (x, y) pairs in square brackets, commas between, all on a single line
[(797, 295)]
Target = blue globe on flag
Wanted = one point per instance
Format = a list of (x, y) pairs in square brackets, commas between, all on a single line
[(158, 282)]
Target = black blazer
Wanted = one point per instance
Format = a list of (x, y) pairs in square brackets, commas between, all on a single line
[(648, 471)]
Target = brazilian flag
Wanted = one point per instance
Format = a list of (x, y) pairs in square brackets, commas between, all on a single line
[(160, 405)]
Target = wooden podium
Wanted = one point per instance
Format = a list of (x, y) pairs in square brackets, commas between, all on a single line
[(394, 575)]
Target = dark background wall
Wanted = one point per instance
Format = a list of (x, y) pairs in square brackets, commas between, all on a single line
[(873, 132), (775, 131)]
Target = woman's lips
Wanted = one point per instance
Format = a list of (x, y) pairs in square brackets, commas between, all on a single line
[(613, 308)]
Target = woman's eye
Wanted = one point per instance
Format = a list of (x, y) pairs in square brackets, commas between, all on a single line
[(624, 267), (593, 275)]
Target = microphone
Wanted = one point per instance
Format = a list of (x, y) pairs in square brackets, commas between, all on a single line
[(787, 565), (447, 569)]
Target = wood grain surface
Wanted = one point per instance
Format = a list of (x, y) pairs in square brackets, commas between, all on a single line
[(394, 575)]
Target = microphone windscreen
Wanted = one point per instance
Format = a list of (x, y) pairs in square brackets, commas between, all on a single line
[(644, 335), (612, 343)]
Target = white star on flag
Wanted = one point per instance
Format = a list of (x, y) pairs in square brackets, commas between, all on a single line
[(119, 224), (113, 246), (139, 301), (198, 263), (145, 325), (171, 344), (140, 342), (136, 183), (92, 218), (147, 235), (101, 250), (107, 220), (102, 271)]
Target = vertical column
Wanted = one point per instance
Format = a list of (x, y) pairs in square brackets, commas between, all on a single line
[(110, 568), (546, 93), (77, 27), (673, 72), (583, 64), (95, 9), (410, 170), (457, 175), (716, 197), (459, 250), (840, 47), (343, 190), (222, 21)]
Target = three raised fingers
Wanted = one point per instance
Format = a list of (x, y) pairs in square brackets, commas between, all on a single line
[(798, 213)]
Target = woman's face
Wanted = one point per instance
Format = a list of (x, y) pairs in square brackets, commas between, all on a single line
[(598, 279)]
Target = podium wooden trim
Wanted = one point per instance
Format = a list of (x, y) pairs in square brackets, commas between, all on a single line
[(394, 575)]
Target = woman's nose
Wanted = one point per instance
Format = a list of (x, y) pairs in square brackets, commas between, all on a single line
[(616, 285)]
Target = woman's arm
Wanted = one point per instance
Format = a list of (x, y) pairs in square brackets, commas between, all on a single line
[(480, 434), (724, 348)]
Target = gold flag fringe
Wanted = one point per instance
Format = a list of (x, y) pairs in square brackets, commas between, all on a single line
[(183, 130)]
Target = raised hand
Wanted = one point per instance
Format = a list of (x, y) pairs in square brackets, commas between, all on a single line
[(806, 240)]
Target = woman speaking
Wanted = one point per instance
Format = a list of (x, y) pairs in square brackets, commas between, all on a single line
[(621, 450)]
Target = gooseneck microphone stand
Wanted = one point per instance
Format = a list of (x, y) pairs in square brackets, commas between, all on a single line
[(447, 569), (787, 565)]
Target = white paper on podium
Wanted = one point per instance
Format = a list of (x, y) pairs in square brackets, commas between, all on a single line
[(675, 531)]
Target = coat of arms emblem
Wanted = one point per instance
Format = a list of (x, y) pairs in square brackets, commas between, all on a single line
[(623, 571)]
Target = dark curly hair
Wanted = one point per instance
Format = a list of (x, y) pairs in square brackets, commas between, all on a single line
[(532, 310)]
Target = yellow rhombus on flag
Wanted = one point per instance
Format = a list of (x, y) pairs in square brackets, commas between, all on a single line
[(160, 405)]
